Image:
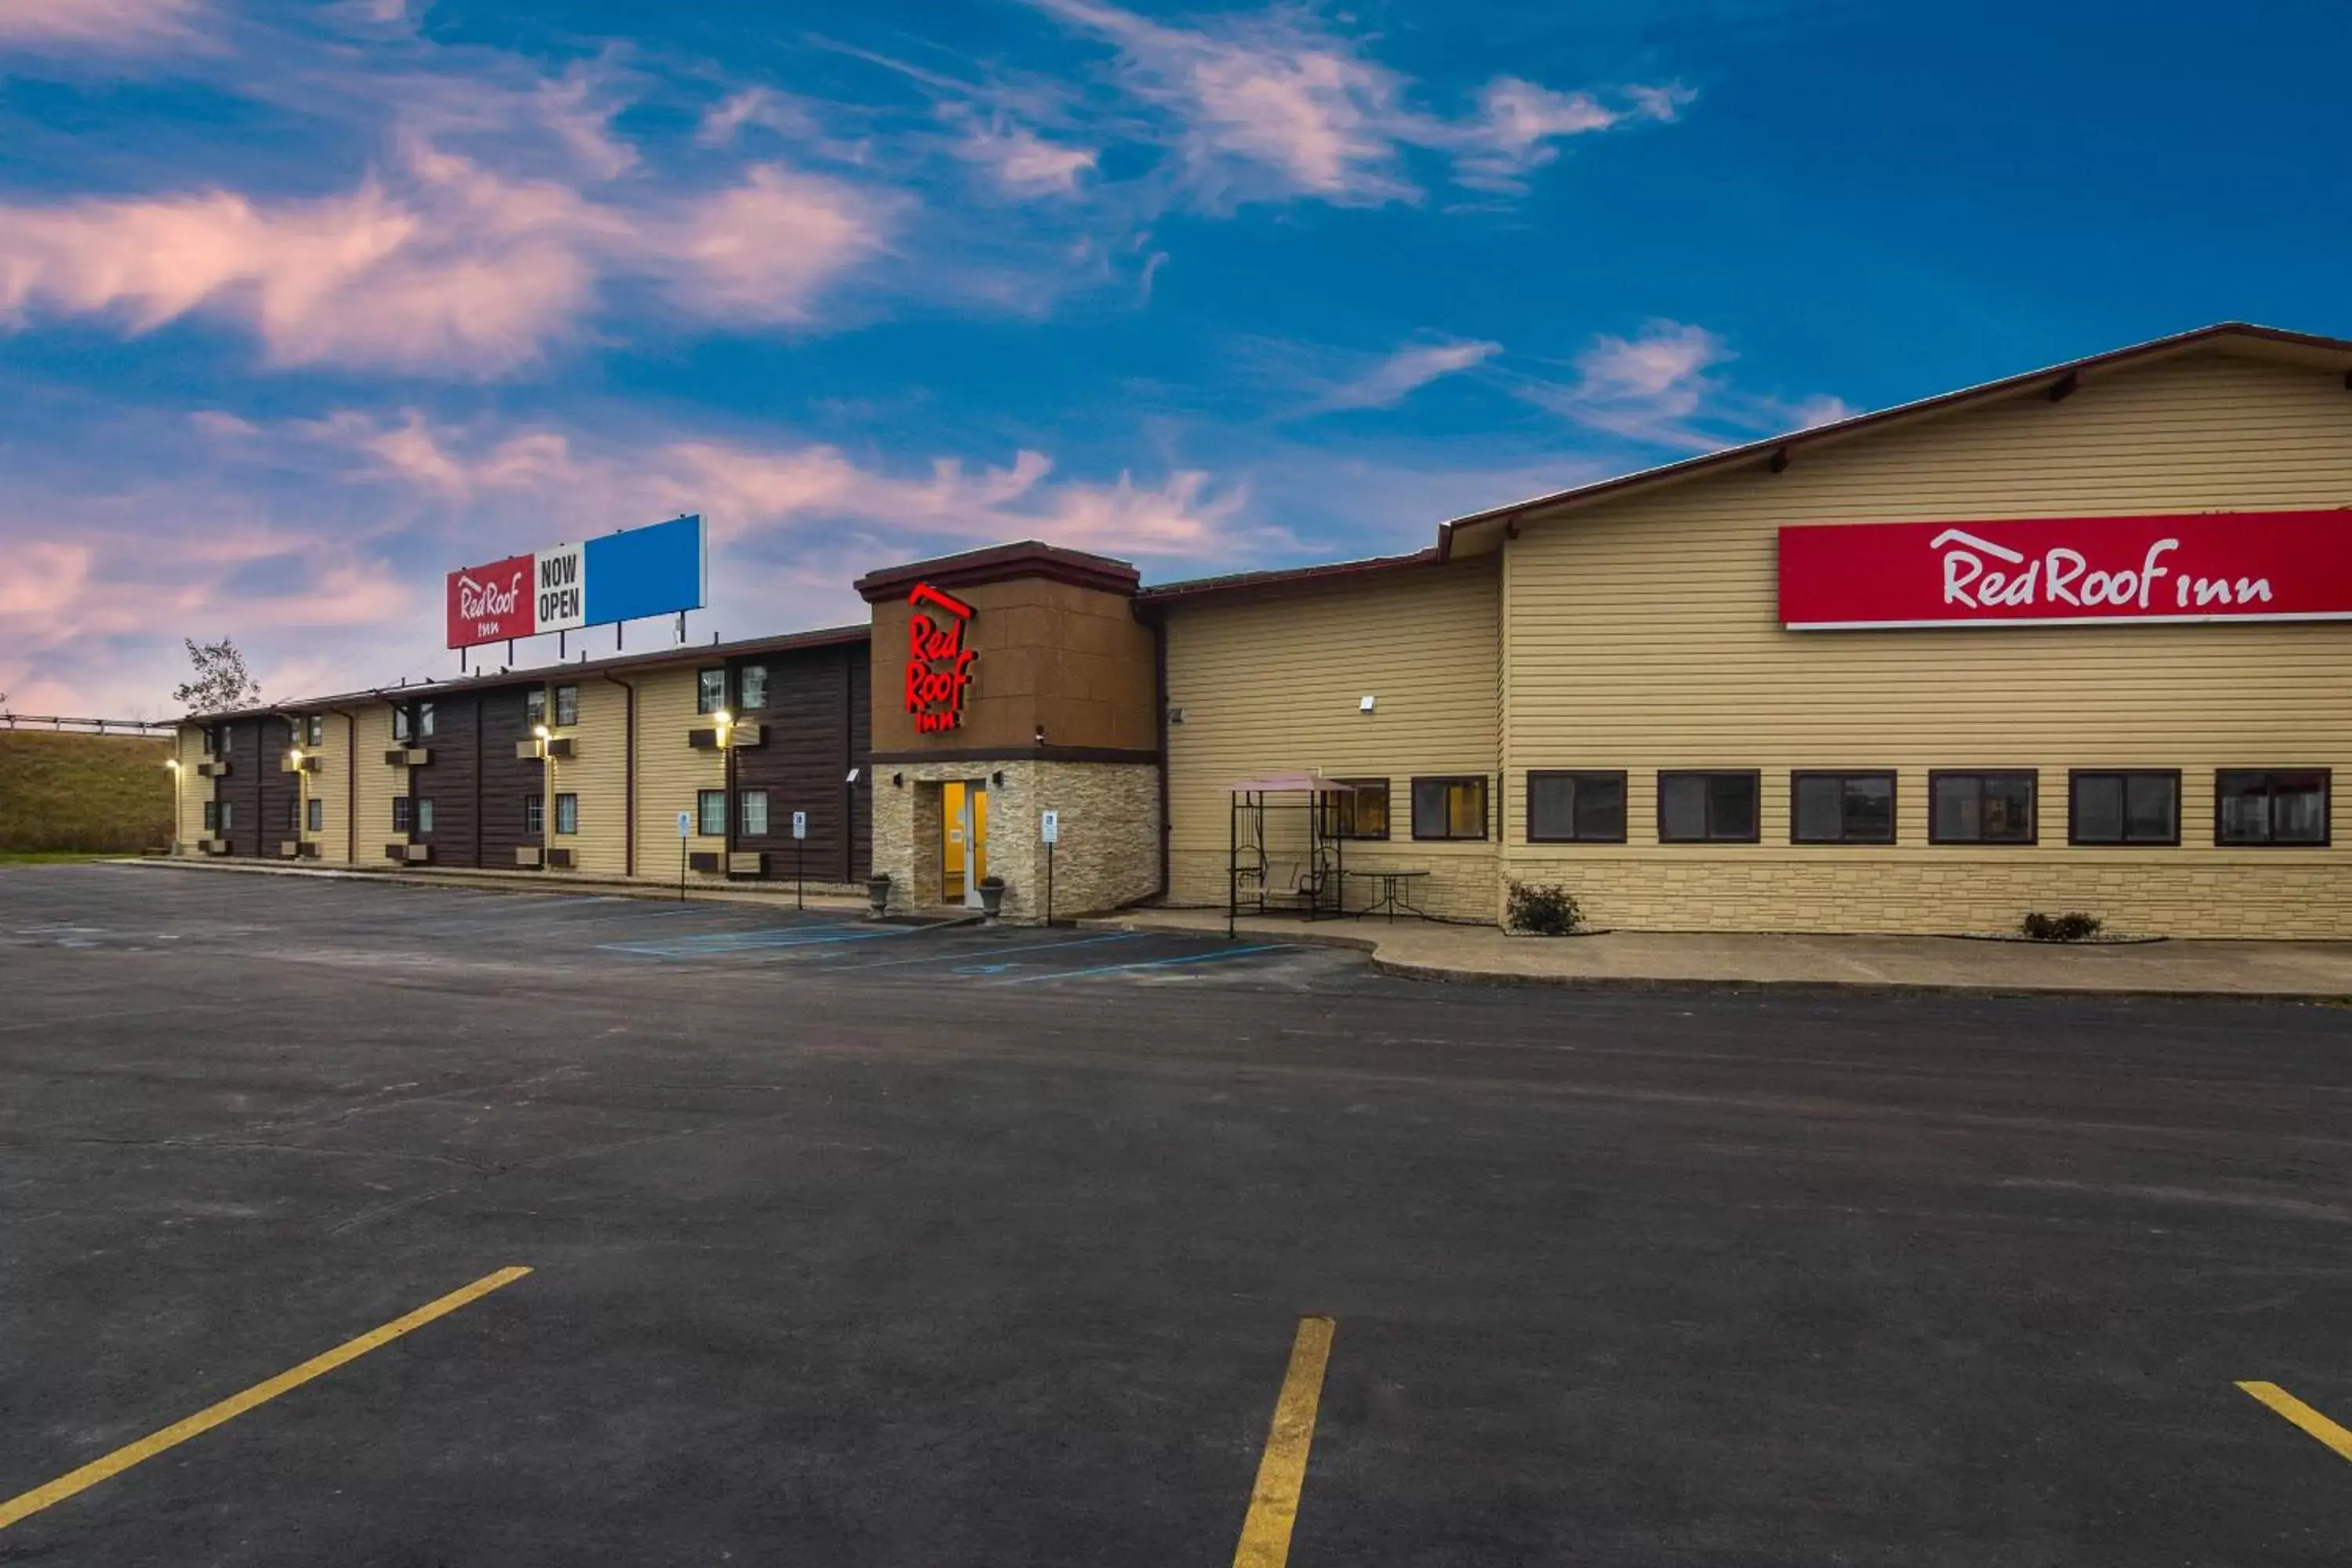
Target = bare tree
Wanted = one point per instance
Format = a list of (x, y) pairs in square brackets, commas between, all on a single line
[(221, 682)]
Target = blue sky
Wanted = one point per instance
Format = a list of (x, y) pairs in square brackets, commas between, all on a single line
[(301, 305)]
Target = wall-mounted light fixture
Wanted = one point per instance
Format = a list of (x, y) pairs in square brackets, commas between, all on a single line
[(1367, 703), (1175, 715), (1041, 734), (898, 781), (997, 778), (852, 776)]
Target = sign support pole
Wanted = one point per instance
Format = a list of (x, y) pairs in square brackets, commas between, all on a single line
[(1049, 882), (800, 872), (681, 867)]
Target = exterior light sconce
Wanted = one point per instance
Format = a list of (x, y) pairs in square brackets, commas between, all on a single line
[(1367, 703), (1041, 734), (852, 776), (898, 781), (997, 778)]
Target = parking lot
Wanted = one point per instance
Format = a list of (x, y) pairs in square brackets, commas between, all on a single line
[(854, 1244)]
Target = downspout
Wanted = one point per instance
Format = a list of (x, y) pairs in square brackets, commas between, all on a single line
[(628, 776), (1159, 690)]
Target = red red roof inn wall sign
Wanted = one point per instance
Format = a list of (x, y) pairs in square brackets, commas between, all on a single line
[(939, 665), (2208, 566)]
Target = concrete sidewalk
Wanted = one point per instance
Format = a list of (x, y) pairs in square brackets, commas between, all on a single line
[(2305, 970)]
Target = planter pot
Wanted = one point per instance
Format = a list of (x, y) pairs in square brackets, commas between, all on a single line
[(992, 896), (877, 890)]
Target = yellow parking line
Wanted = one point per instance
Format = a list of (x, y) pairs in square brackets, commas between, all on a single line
[(2302, 1415), (1273, 1505), (205, 1420)]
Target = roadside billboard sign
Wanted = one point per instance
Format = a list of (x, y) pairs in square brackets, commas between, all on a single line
[(635, 574)]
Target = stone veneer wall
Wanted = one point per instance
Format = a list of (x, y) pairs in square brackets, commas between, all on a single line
[(1108, 854)]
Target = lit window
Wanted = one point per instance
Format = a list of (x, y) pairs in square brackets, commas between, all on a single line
[(318, 815), (400, 728), (709, 690), (710, 809), (2136, 806), (1576, 807), (2269, 806), (567, 814), (1707, 808), (752, 683), (1450, 808), (1980, 808), (424, 720), (567, 705), (754, 803), (1359, 811), (318, 729), (534, 707), (534, 816), (228, 815), (400, 813), (1841, 808), (424, 810)]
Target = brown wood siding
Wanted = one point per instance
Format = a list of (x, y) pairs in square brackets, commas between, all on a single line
[(241, 790), (860, 674), (507, 779), (811, 738), (452, 781)]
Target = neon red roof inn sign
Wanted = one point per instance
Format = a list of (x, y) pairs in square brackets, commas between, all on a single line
[(939, 665)]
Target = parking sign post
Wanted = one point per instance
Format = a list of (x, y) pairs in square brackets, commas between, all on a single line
[(800, 855), (1049, 828), (685, 831)]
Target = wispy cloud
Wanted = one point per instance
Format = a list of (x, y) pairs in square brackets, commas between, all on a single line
[(1662, 388), (1396, 377), (1020, 161), (124, 26)]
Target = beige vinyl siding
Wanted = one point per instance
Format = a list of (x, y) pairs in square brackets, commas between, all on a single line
[(598, 771), (378, 782), (1272, 682), (1642, 634), (189, 748), (329, 786), (669, 771)]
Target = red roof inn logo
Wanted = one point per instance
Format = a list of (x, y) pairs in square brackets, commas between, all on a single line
[(2206, 566), (939, 666)]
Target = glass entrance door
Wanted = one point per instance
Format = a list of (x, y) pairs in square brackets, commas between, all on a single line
[(963, 849)]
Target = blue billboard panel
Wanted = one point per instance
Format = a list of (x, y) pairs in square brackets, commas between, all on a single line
[(645, 572)]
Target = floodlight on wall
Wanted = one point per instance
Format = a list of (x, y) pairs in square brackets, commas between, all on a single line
[(898, 781), (852, 776), (997, 778), (1366, 703)]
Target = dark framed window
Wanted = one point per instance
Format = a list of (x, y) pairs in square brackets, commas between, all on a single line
[(2269, 806), (1827, 807), (1452, 807), (293, 816), (318, 823), (567, 814), (753, 805), (752, 686), (228, 815), (212, 816), (318, 729), (1581, 806), (210, 738), (401, 816), (1701, 806), (710, 813), (534, 814), (424, 720), (709, 690), (2128, 806), (534, 706), (422, 811), (567, 706), (401, 724), (1994, 805), (1361, 811)]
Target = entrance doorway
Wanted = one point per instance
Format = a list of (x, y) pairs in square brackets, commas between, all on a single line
[(963, 849)]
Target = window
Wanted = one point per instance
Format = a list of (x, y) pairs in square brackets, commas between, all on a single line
[(293, 731), (2141, 806), (2269, 806), (212, 816), (1576, 807), (534, 707), (1449, 808), (1707, 808), (293, 816), (534, 814), (318, 728), (228, 815), (400, 815), (752, 686), (318, 823), (1358, 812), (423, 813), (424, 720), (711, 810), (567, 705), (753, 804), (400, 728), (567, 814), (211, 739), (1980, 808), (709, 690), (1841, 808)]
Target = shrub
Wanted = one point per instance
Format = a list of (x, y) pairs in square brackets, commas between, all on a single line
[(2075, 927), (1546, 911)]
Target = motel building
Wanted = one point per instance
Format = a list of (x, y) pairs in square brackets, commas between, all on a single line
[(2074, 641)]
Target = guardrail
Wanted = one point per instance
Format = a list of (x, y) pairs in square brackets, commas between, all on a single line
[(163, 728)]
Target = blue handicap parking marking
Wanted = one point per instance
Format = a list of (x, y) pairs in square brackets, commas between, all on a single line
[(716, 944), (983, 968)]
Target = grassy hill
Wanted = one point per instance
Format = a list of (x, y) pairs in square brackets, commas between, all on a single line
[(88, 793)]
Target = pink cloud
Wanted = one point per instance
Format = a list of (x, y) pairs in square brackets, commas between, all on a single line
[(1021, 162), (118, 25), (765, 248)]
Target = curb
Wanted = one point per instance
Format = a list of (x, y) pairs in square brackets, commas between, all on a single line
[(499, 882)]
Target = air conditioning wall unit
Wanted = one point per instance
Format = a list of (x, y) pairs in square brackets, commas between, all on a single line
[(563, 859), (407, 757), (559, 748), (213, 845), (309, 765), (748, 863), (414, 853), (310, 849), (703, 739), (527, 855), (704, 860), (288, 848), (215, 769)]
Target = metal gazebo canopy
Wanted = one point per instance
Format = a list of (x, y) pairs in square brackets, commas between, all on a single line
[(1315, 878)]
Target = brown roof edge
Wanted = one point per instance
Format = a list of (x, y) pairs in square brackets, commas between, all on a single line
[(700, 653), (1003, 563), (1160, 595), (1732, 457)]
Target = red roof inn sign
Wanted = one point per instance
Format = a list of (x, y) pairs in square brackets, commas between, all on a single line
[(939, 665), (2209, 566)]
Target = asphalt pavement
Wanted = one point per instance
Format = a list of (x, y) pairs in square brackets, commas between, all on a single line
[(877, 1245)]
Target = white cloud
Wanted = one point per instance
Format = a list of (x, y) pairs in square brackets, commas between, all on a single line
[(1403, 372), (765, 249), (760, 106), (116, 24), (1660, 388), (1279, 105), (1021, 162)]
